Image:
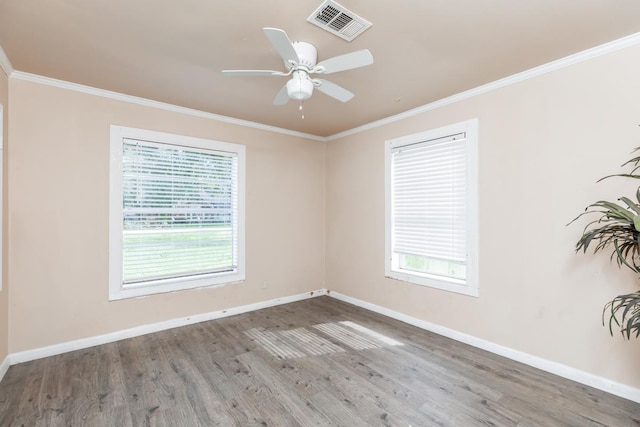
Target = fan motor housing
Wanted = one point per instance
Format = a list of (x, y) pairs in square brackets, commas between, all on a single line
[(307, 53)]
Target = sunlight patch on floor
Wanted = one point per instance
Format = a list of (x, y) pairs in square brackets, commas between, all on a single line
[(347, 337), (311, 342), (383, 338), (273, 344), (301, 342)]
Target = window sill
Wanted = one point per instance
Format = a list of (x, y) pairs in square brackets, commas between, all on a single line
[(119, 292), (436, 282)]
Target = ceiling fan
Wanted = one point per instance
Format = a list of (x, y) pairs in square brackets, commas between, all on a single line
[(300, 61)]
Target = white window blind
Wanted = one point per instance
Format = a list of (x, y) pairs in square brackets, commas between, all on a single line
[(179, 212), (429, 206)]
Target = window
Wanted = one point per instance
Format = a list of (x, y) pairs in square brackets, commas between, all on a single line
[(176, 213), (431, 208)]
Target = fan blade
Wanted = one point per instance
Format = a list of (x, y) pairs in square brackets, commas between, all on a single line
[(359, 58), (334, 91), (282, 97), (283, 45), (249, 73)]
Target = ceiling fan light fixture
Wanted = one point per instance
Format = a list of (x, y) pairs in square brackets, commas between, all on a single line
[(300, 87), (300, 60)]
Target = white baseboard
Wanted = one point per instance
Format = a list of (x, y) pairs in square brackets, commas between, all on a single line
[(559, 369), (4, 366), (52, 350), (600, 383)]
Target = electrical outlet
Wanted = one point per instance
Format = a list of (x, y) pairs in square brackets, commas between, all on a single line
[(264, 285)]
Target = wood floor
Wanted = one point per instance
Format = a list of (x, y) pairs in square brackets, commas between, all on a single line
[(319, 362)]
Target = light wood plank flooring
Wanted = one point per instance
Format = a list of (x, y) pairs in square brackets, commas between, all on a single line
[(319, 362)]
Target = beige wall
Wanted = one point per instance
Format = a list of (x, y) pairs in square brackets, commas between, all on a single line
[(543, 144), (58, 216), (4, 293)]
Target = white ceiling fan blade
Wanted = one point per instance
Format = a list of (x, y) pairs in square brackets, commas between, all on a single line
[(249, 73), (282, 97), (283, 45), (347, 61), (334, 91)]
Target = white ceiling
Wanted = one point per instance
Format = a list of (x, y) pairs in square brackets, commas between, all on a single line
[(424, 50)]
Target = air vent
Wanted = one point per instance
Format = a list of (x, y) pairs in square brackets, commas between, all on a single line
[(338, 20)]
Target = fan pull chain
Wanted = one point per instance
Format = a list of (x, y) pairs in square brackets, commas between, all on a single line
[(301, 110)]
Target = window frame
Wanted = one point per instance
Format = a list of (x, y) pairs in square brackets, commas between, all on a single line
[(1, 195), (117, 290), (469, 286)]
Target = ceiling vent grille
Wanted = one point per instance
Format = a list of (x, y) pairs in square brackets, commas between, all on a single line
[(338, 20)]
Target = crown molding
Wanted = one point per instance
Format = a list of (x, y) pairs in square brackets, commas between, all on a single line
[(585, 55), (34, 78), (603, 49), (5, 64)]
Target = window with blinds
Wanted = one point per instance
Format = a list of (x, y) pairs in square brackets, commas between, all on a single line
[(179, 212), (431, 209)]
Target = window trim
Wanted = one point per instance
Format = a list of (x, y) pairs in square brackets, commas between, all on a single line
[(117, 290), (1, 195), (470, 286)]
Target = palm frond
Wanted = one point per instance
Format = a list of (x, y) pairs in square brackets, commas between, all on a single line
[(624, 311), (616, 227)]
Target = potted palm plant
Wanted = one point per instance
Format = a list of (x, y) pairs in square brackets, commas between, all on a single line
[(616, 228)]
